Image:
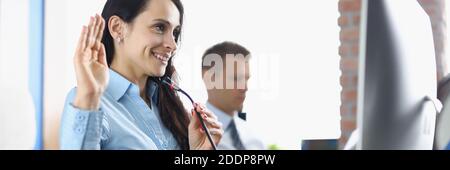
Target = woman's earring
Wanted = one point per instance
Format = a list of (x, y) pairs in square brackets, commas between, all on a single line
[(119, 40)]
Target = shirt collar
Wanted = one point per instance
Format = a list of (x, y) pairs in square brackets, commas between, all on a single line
[(152, 90), (119, 85), (223, 117)]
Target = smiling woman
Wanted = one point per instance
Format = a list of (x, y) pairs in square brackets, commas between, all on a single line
[(119, 101)]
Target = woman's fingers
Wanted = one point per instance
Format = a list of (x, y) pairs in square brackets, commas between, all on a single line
[(212, 123), (194, 120), (97, 26), (82, 40), (94, 55), (216, 131), (101, 28), (208, 117), (91, 28), (216, 134), (202, 109), (91, 39), (102, 56), (209, 114), (90, 47), (97, 41), (89, 32), (210, 120), (98, 38)]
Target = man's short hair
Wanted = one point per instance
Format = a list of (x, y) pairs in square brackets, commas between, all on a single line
[(222, 49)]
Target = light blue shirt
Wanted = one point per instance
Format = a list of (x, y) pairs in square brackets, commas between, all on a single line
[(246, 136), (123, 122)]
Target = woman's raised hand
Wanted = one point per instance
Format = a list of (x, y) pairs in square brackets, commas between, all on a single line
[(91, 67)]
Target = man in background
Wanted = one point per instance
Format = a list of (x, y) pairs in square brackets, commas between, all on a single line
[(225, 72)]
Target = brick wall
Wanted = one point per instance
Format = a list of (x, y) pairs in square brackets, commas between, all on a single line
[(348, 50)]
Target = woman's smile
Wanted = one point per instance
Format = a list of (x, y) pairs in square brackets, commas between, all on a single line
[(163, 57)]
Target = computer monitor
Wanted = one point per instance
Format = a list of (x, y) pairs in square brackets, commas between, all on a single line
[(442, 137), (397, 77), (443, 127)]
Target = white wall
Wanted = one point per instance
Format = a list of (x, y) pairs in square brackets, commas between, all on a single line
[(17, 115), (64, 20)]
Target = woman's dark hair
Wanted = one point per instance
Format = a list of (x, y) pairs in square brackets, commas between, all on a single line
[(171, 109)]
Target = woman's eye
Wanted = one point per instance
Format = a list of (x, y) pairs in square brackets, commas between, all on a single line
[(160, 28), (176, 32)]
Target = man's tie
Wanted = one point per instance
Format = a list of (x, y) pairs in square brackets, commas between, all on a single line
[(235, 136)]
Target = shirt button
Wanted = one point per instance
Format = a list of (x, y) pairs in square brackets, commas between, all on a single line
[(79, 130), (80, 117)]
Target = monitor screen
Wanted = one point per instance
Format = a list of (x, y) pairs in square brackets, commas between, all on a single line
[(397, 74)]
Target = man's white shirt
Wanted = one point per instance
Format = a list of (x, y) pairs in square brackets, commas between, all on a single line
[(247, 137)]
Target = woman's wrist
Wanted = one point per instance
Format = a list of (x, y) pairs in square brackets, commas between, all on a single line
[(87, 101)]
